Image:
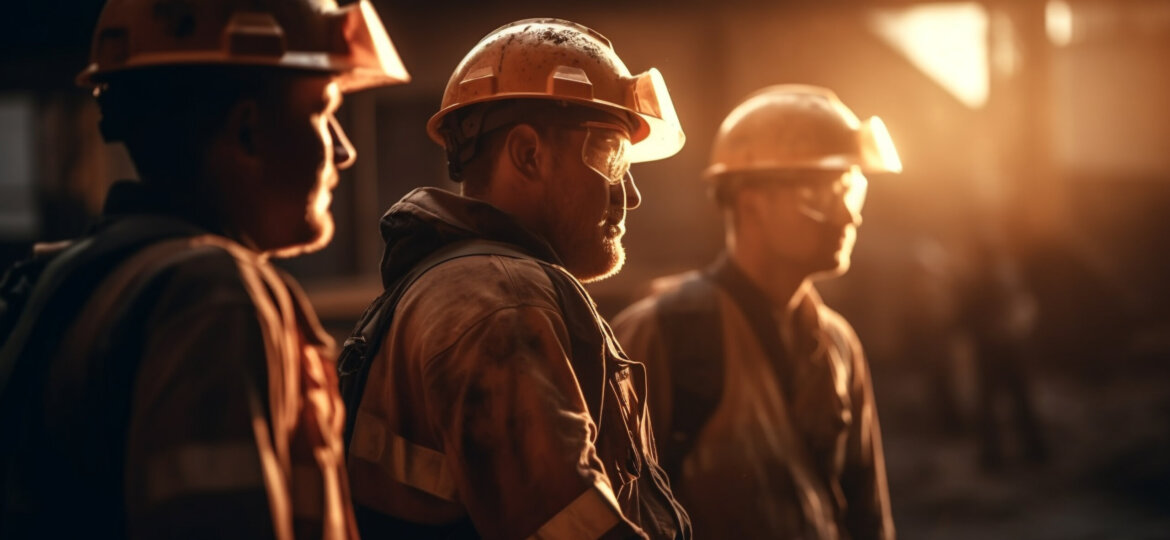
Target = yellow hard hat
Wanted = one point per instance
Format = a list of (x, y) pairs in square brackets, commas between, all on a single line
[(313, 35), (553, 59), (793, 126)]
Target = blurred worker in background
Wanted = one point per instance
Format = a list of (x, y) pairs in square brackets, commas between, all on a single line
[(160, 378), (761, 394), (932, 328), (489, 398), (1000, 312)]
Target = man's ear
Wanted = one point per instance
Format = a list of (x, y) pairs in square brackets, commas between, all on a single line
[(241, 126), (750, 203), (524, 150)]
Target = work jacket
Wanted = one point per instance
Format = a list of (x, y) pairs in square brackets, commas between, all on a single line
[(187, 393), (792, 448), (499, 405)]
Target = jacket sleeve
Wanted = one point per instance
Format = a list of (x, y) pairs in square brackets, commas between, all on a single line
[(193, 465), (863, 480), (518, 436)]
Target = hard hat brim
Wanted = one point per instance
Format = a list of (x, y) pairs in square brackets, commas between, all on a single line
[(371, 59), (875, 154), (657, 135)]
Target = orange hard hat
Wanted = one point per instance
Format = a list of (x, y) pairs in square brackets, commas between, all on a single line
[(558, 60), (795, 126), (311, 35)]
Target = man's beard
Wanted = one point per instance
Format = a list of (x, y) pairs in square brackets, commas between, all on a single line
[(314, 234), (597, 261)]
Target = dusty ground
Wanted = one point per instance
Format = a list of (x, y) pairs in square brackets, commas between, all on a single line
[(1108, 476)]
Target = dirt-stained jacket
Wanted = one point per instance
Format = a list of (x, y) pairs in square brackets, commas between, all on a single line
[(193, 395), (796, 458), (499, 404)]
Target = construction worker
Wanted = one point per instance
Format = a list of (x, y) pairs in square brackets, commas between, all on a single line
[(160, 378), (489, 398), (761, 394)]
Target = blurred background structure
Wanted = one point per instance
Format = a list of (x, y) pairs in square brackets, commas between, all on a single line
[(1031, 217)]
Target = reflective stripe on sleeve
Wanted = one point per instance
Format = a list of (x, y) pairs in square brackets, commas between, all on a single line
[(201, 468), (403, 461), (591, 515)]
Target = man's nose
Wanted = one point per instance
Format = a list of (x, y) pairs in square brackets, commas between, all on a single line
[(633, 196), (343, 152), (844, 212)]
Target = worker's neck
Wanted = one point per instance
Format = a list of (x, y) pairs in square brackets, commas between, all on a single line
[(784, 285), (522, 205)]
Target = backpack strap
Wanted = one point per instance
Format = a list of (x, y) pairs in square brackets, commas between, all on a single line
[(691, 325), (359, 350)]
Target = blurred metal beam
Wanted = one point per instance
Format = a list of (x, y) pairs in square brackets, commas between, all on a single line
[(363, 131)]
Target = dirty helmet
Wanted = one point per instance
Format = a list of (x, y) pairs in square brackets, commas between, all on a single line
[(563, 66), (310, 35)]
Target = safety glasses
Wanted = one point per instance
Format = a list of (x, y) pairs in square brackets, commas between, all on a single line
[(819, 193), (607, 150), (818, 198)]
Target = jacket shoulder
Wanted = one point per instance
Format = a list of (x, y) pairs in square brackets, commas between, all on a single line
[(680, 309), (202, 277), (455, 295), (662, 291), (478, 282), (208, 269)]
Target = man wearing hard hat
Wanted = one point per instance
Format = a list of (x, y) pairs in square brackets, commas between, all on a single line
[(160, 378), (488, 397), (761, 395)]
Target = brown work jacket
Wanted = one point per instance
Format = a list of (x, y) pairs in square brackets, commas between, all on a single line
[(192, 396), (776, 459), (499, 405)]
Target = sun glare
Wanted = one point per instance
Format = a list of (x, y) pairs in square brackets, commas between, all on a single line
[(1058, 22), (947, 42)]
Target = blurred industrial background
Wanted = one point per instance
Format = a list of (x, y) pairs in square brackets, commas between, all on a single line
[(1032, 213)]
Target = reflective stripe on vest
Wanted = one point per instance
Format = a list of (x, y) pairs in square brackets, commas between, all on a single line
[(591, 515), (403, 461)]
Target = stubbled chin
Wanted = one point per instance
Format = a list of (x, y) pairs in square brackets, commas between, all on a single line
[(614, 232), (614, 258), (318, 234), (841, 265)]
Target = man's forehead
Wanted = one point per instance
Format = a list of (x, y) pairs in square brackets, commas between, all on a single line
[(609, 129), (581, 117), (313, 91), (610, 121)]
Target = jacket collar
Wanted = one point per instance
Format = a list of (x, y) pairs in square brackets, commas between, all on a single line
[(427, 219)]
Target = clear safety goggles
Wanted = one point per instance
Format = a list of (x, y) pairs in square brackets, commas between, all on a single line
[(607, 150), (820, 193)]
